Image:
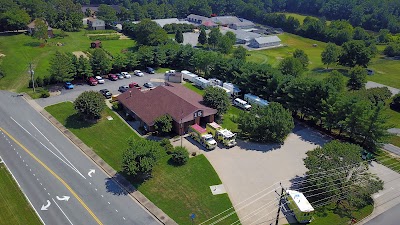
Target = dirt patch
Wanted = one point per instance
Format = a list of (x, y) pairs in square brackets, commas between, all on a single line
[(2, 55), (380, 72), (79, 53), (123, 37)]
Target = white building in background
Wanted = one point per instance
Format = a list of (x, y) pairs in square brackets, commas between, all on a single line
[(261, 42)]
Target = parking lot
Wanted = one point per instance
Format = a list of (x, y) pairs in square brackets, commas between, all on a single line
[(248, 168), (112, 86)]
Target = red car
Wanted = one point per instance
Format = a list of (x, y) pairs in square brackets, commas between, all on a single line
[(133, 84), (92, 81), (112, 77)]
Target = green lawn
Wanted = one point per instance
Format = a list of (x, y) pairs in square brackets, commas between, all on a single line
[(194, 88), (108, 138), (181, 191), (229, 121), (14, 208), (178, 191), (292, 42), (301, 17), (386, 71), (328, 215), (395, 140), (20, 49)]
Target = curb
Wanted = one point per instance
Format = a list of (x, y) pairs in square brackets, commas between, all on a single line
[(120, 179)]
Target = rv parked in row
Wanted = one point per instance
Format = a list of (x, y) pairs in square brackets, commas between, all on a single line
[(253, 99), (241, 104)]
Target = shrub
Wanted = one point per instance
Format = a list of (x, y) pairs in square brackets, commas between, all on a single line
[(163, 124), (180, 155), (39, 82), (395, 105), (104, 37), (44, 93), (166, 144), (116, 106), (46, 80)]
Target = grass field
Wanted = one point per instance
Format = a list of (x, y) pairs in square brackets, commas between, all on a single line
[(181, 191), (230, 118), (14, 208), (178, 191), (108, 138), (292, 42), (386, 71), (20, 49), (194, 88)]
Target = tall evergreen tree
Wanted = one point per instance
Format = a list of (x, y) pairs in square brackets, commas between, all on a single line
[(179, 36), (100, 62), (202, 39), (61, 67), (83, 68)]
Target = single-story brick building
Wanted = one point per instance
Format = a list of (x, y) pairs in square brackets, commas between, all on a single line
[(182, 104)]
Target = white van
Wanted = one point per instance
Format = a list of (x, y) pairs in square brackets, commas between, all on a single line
[(241, 104)]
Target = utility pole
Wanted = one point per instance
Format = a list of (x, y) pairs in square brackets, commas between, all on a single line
[(32, 72), (280, 204)]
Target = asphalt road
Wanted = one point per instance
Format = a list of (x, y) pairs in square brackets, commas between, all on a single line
[(391, 148), (390, 217), (112, 86), (50, 170)]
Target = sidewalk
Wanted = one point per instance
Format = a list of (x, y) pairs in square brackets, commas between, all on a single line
[(120, 179)]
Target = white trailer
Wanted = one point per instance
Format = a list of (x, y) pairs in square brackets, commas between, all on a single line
[(187, 75), (201, 82), (253, 99), (228, 92), (215, 82), (235, 91)]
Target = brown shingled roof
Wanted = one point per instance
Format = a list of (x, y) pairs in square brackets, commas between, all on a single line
[(174, 100)]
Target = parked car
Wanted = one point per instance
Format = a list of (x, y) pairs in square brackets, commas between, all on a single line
[(68, 85), (150, 70), (123, 88), (120, 76), (99, 79), (112, 77), (126, 75), (138, 73), (148, 85), (92, 81), (106, 93), (134, 84)]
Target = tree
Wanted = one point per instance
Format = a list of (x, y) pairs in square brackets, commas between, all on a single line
[(355, 53), (61, 67), (202, 39), (266, 124), (100, 62), (90, 104), (348, 178), (330, 54), (119, 62), (14, 19), (179, 36), (214, 37), (358, 78), (180, 155), (225, 44), (395, 104), (107, 13), (40, 31), (141, 156), (216, 98), (83, 68), (302, 56), (231, 37), (383, 36), (166, 144), (336, 80), (374, 130), (291, 66), (240, 53), (163, 124), (131, 60), (148, 32)]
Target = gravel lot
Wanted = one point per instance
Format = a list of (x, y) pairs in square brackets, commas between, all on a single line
[(112, 86)]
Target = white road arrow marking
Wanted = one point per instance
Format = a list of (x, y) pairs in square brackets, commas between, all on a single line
[(64, 198), (44, 207), (91, 172)]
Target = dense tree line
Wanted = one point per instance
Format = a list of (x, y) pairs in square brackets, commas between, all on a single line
[(63, 14)]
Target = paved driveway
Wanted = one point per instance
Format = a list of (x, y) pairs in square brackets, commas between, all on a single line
[(249, 168), (70, 95)]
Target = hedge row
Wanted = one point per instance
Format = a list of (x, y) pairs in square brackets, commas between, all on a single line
[(100, 31), (104, 37)]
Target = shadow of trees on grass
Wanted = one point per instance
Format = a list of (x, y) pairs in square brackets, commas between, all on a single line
[(75, 121)]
